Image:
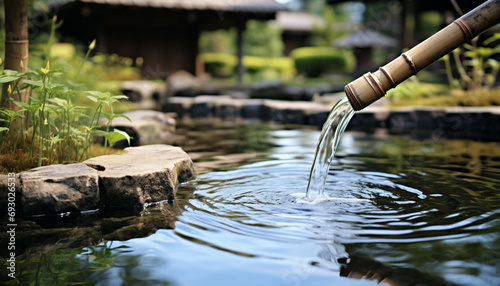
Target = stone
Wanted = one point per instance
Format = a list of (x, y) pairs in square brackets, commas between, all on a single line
[(147, 127), (254, 109), (142, 175), (267, 90), (181, 83), (143, 94), (58, 189), (179, 105)]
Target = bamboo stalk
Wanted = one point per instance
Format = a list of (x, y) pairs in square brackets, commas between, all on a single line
[(16, 43)]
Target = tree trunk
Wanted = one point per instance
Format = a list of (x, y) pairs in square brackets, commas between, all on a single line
[(16, 43)]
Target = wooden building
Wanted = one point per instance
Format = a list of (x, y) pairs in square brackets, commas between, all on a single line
[(297, 28), (163, 32)]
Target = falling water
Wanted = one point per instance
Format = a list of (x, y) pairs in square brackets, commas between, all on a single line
[(337, 121)]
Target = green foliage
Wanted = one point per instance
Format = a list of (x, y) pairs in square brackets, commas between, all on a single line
[(220, 41), (326, 33), (218, 64), (430, 23), (476, 66), (315, 61), (413, 89), (70, 266), (269, 68), (50, 127), (224, 65), (262, 38)]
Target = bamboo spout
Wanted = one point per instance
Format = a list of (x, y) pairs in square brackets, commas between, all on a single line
[(372, 86)]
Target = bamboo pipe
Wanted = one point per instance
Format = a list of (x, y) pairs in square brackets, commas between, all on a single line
[(372, 86)]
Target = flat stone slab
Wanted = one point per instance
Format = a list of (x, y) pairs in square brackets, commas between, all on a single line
[(146, 126), (142, 175), (58, 189)]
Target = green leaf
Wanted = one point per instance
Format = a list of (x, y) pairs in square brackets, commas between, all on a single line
[(3, 129), (7, 78), (494, 64), (115, 136), (92, 98), (111, 116), (36, 83), (21, 104), (60, 102), (11, 72), (121, 96), (97, 93), (491, 39)]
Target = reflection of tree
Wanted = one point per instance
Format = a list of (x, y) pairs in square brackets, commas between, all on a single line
[(453, 225), (474, 259), (87, 266), (363, 267), (77, 266), (53, 256)]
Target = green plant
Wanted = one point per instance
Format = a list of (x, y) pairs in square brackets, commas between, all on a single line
[(324, 32), (413, 88), (57, 130), (263, 39), (315, 61), (219, 64), (223, 65), (50, 127), (269, 68), (476, 67)]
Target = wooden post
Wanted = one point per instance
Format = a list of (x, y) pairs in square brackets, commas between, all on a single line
[(239, 45), (408, 21), (16, 42)]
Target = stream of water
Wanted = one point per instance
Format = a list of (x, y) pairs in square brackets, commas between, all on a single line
[(332, 131)]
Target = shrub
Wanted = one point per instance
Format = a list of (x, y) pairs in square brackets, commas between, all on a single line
[(219, 64), (315, 61), (224, 65), (269, 68)]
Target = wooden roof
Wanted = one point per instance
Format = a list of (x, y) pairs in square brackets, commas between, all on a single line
[(250, 6), (298, 21), (366, 38)]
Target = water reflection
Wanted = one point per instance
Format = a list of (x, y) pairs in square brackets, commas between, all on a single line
[(385, 216)]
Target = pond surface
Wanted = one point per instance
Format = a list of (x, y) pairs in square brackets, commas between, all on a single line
[(395, 209)]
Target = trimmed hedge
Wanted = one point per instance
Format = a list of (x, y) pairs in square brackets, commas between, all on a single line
[(269, 68), (315, 61), (219, 64), (224, 65)]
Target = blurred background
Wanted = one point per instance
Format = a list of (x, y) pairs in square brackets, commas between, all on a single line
[(282, 49)]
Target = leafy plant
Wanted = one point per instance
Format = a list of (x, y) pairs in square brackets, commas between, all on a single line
[(475, 65), (315, 61), (50, 127)]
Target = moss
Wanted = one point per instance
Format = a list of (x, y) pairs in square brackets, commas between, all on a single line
[(18, 161)]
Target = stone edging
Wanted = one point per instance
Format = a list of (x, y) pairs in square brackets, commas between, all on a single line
[(141, 175), (486, 119)]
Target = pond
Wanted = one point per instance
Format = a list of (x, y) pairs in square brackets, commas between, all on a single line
[(395, 209)]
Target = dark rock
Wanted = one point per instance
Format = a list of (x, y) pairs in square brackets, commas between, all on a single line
[(58, 189), (294, 93), (268, 90)]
